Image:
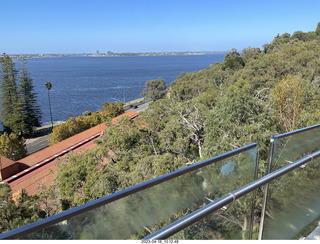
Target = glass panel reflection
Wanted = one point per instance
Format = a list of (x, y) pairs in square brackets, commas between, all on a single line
[(144, 212), (293, 203), (293, 147), (232, 222), (293, 200)]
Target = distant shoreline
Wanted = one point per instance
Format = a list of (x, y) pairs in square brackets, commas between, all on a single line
[(111, 54)]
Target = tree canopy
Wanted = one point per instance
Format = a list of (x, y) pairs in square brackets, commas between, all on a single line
[(75, 125), (10, 105), (155, 89), (30, 110), (12, 146), (16, 214)]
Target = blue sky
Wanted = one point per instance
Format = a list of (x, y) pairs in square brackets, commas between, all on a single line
[(84, 26)]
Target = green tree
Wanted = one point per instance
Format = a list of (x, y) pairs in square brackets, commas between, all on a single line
[(73, 177), (12, 146), (288, 98), (278, 40), (71, 127), (49, 199), (183, 132), (233, 53), (318, 29), (31, 112), (248, 53), (8, 208), (48, 85), (76, 125), (10, 106), (112, 109), (239, 119), (16, 214), (233, 60), (155, 89), (234, 63), (304, 36)]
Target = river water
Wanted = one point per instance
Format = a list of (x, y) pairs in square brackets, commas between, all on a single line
[(82, 83)]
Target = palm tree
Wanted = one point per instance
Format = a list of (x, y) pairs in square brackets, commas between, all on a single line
[(49, 86)]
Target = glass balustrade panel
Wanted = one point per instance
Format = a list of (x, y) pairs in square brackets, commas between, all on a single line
[(293, 147), (293, 205), (294, 194), (232, 222), (142, 213)]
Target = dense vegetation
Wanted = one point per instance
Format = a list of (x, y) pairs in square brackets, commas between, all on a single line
[(13, 214), (247, 98), (155, 89), (12, 146), (75, 125)]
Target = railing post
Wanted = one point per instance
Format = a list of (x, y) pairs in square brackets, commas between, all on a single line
[(254, 195), (266, 188)]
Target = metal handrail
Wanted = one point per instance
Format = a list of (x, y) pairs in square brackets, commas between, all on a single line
[(38, 225), (290, 133), (229, 198)]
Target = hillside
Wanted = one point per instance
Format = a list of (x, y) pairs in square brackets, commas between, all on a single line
[(247, 98)]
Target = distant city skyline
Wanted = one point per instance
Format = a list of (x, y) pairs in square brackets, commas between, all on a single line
[(79, 26)]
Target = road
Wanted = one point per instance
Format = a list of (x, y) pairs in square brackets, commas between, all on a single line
[(140, 107), (34, 145)]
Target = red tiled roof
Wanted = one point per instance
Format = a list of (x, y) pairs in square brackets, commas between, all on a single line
[(131, 114), (71, 141), (42, 163), (61, 146), (31, 182)]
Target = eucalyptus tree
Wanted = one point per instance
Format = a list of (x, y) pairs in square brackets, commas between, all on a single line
[(16, 213), (318, 29), (155, 89), (233, 53)]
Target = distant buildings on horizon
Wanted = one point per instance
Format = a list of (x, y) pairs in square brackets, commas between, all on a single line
[(110, 53)]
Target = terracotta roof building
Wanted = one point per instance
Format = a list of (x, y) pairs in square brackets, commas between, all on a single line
[(39, 168)]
